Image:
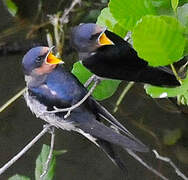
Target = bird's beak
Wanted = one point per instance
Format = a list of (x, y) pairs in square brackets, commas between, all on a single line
[(51, 59), (104, 40)]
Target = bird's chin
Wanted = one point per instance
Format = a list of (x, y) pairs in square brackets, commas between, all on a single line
[(45, 69)]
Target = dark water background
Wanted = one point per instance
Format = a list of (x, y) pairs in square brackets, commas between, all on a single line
[(148, 119)]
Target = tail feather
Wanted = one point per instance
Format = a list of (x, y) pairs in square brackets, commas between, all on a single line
[(157, 77), (112, 154), (99, 130)]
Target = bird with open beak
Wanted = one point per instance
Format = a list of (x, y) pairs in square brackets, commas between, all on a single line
[(109, 56), (50, 85)]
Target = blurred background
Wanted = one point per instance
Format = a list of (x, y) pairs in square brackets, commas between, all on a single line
[(159, 123)]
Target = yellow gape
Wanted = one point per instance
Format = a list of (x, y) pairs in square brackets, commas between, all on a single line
[(103, 40), (51, 59)]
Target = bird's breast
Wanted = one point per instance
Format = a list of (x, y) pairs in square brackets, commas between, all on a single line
[(41, 111)]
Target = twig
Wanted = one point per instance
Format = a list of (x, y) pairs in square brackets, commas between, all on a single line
[(49, 39), (175, 73), (122, 95), (146, 165), (24, 150), (10, 101), (77, 104), (67, 11), (168, 160), (47, 164), (89, 81)]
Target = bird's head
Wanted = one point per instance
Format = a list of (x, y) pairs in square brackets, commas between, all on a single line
[(88, 37), (39, 61)]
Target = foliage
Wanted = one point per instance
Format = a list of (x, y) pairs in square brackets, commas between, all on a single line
[(104, 90), (18, 177), (161, 49), (40, 165), (11, 6), (106, 19), (159, 34), (171, 136)]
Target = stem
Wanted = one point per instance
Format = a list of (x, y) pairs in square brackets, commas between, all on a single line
[(47, 164), (168, 160), (146, 165), (175, 73), (126, 89), (24, 150), (14, 98)]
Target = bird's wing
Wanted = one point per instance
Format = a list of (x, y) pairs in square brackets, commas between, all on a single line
[(112, 154), (103, 112), (95, 129)]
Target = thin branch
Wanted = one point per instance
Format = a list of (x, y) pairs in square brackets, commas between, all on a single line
[(47, 164), (14, 98), (175, 73), (146, 165), (24, 150), (68, 110), (49, 39), (168, 160), (90, 80), (122, 96), (67, 11)]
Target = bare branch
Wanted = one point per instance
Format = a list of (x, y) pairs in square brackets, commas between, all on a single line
[(14, 98), (24, 150), (47, 164), (126, 89), (90, 80), (168, 160), (146, 165), (67, 11)]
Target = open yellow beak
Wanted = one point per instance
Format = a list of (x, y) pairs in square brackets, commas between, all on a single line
[(104, 40), (51, 59)]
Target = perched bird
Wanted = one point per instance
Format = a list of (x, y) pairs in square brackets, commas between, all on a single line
[(107, 55), (50, 85)]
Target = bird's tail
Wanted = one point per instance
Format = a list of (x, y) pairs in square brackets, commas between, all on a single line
[(112, 154), (157, 77), (95, 129)]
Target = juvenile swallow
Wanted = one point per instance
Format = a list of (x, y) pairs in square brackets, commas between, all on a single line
[(50, 85), (109, 56)]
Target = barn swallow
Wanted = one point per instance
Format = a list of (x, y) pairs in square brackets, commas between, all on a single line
[(109, 56), (50, 85)]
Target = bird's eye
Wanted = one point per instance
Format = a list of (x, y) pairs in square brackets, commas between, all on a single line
[(94, 36), (39, 59)]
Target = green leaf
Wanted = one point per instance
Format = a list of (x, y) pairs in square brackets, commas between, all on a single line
[(81, 72), (11, 6), (128, 12), (159, 40), (163, 92), (174, 4), (106, 19), (18, 177), (185, 53), (59, 152), (104, 90), (161, 3), (40, 164), (182, 13), (171, 136)]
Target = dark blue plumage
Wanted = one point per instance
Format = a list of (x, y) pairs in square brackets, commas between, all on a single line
[(50, 85)]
